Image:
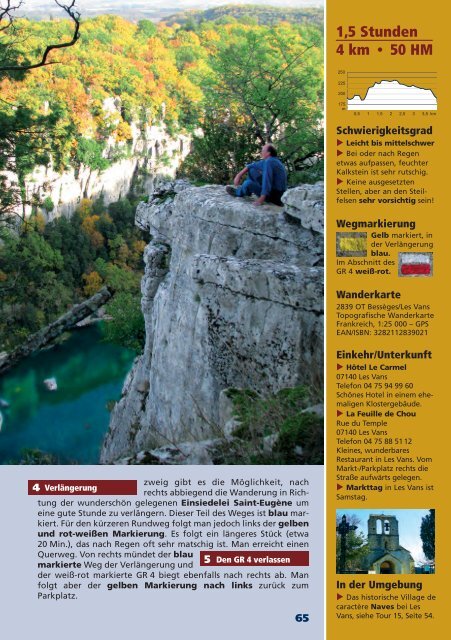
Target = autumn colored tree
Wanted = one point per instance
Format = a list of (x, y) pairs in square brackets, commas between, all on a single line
[(10, 62), (24, 140), (93, 282), (79, 107), (46, 267)]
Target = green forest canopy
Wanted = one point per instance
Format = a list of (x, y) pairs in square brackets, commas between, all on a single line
[(153, 70), (56, 114)]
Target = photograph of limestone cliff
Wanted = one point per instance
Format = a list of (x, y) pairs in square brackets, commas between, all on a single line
[(161, 232)]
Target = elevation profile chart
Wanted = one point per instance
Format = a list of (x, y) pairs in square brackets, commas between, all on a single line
[(380, 91)]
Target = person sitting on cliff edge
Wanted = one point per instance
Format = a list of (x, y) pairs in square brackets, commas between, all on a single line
[(267, 179)]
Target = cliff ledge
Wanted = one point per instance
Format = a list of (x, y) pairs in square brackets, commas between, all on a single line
[(232, 298)]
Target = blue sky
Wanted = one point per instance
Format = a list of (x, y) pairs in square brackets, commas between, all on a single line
[(182, 4), (151, 9), (409, 521)]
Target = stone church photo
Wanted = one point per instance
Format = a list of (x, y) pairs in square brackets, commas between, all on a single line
[(398, 541), (385, 554)]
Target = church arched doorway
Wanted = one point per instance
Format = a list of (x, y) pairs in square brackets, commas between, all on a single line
[(387, 567)]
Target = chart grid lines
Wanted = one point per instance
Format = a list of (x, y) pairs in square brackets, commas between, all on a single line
[(391, 90)]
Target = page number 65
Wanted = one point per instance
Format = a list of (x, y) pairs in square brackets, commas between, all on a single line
[(301, 617)]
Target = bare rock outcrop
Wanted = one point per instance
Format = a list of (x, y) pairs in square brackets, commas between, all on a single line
[(232, 297)]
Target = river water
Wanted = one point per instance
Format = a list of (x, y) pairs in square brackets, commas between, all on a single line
[(68, 423)]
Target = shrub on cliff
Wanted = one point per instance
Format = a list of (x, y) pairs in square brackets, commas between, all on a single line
[(90, 153), (127, 325), (275, 429)]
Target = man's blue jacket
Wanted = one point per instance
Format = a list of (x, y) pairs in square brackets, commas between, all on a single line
[(273, 173)]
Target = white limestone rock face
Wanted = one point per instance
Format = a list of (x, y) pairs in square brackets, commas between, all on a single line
[(152, 151), (232, 297), (306, 204)]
